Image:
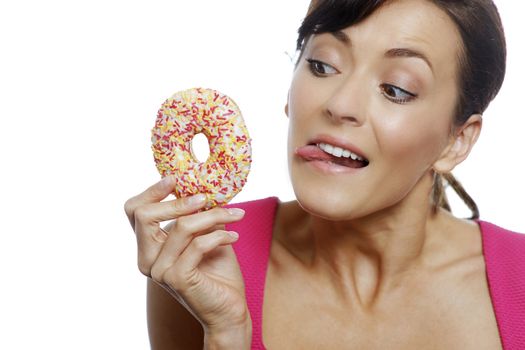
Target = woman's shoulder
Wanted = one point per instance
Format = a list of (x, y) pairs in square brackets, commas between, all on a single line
[(496, 228), (504, 251), (497, 238), (502, 248)]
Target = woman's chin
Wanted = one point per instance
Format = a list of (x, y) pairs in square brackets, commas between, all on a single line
[(332, 197), (327, 207)]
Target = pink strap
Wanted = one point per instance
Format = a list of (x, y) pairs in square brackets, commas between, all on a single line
[(504, 253), (253, 250)]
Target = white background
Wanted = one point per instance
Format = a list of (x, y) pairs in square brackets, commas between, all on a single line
[(80, 84)]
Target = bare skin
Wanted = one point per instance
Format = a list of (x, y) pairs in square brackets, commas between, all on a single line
[(308, 305), (359, 261)]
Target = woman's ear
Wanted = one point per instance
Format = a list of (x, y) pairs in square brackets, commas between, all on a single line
[(460, 145)]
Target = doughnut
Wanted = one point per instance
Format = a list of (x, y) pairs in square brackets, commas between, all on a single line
[(186, 114)]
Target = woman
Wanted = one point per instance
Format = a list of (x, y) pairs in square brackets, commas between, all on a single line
[(387, 98)]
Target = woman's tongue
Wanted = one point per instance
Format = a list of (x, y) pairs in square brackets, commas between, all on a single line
[(312, 152)]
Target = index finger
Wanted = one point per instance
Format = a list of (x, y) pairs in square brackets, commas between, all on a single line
[(154, 193)]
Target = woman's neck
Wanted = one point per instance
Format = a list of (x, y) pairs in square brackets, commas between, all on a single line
[(368, 257)]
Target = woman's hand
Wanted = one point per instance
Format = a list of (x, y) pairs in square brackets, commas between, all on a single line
[(192, 258)]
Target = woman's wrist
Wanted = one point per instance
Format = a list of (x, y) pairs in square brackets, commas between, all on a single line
[(238, 337)]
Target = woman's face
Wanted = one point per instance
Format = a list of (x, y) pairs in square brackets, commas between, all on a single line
[(384, 89)]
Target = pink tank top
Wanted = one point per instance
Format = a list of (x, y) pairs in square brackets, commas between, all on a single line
[(504, 253)]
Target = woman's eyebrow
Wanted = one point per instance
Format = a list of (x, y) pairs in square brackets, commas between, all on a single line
[(406, 52), (342, 37), (395, 52)]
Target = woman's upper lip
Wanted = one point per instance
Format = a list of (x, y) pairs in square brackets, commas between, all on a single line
[(338, 142)]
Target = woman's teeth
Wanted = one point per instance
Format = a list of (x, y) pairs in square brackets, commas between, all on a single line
[(339, 152)]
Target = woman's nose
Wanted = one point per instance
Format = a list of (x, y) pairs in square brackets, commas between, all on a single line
[(347, 102)]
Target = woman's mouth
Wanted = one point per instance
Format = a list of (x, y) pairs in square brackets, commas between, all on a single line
[(326, 152)]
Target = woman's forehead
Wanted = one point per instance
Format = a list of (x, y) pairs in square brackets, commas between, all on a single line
[(419, 28)]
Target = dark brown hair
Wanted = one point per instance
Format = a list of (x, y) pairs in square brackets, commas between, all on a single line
[(482, 60)]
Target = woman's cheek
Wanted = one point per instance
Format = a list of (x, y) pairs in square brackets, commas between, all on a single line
[(304, 93), (409, 139)]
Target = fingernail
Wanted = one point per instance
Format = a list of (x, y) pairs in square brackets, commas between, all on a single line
[(235, 211), (196, 199), (233, 234)]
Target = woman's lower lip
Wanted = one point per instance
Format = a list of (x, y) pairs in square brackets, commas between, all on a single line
[(330, 168)]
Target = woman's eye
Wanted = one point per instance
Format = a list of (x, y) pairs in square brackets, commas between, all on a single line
[(319, 68), (396, 94)]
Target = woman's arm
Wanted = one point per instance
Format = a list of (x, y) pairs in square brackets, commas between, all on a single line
[(170, 325)]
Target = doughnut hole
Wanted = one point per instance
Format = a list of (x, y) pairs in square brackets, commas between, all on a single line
[(200, 147)]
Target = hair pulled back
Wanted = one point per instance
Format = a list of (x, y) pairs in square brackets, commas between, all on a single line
[(482, 59)]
